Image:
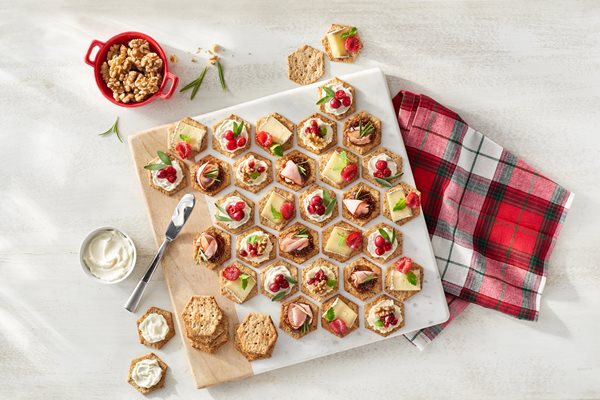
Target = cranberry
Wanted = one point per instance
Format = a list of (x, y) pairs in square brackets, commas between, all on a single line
[(379, 251), (264, 139), (274, 287), (354, 240), (240, 205), (231, 273), (251, 163), (379, 241), (229, 135), (349, 172), (231, 145), (320, 209), (381, 165), (387, 246), (387, 172), (287, 210), (413, 200), (340, 94), (241, 142), (238, 215), (311, 209), (346, 101), (352, 44), (243, 253), (279, 278), (378, 174), (284, 284), (261, 169), (314, 125), (335, 103), (230, 209), (316, 200)]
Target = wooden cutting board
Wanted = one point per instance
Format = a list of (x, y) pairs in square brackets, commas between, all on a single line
[(185, 279)]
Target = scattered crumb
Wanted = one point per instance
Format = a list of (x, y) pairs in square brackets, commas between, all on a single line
[(173, 58), (198, 50), (214, 48), (194, 60), (213, 59)]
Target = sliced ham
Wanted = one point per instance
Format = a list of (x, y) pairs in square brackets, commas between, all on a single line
[(291, 173), (356, 207), (209, 245), (204, 181), (293, 244), (298, 313), (359, 277), (354, 137)]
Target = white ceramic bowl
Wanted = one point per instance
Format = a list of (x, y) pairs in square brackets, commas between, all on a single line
[(86, 242)]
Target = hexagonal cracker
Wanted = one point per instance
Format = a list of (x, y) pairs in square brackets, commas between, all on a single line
[(368, 289), (350, 304), (331, 285), (229, 292), (307, 169), (403, 295), (173, 138), (361, 192), (293, 272), (252, 188), (307, 253), (342, 28), (391, 232), (304, 212), (391, 181), (223, 240), (289, 125), (240, 239), (303, 137), (152, 173), (163, 366), (256, 336), (353, 123), (206, 326), (217, 145), (326, 235), (307, 328), (222, 177), (169, 320), (277, 224), (324, 161), (374, 303), (305, 65), (322, 94), (219, 214)]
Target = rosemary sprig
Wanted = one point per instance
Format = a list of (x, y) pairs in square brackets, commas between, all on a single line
[(302, 233), (221, 76), (212, 174), (195, 84), (366, 129), (224, 217), (291, 280), (113, 129), (305, 326), (279, 295), (301, 169), (201, 256), (370, 278), (387, 182)]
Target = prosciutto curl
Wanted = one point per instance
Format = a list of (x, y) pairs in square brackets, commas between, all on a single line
[(291, 173), (208, 245), (298, 313), (204, 181), (357, 207)]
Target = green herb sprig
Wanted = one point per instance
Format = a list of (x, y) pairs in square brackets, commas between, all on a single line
[(352, 32), (195, 84), (330, 94), (221, 75), (223, 216), (165, 162), (114, 128), (387, 182)]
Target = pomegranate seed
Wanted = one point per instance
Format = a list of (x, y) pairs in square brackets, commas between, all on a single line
[(316, 200), (346, 101), (279, 278), (241, 142), (379, 241), (381, 165), (253, 253), (251, 163), (340, 94), (238, 215), (387, 172), (284, 284), (379, 251), (240, 205), (231, 145), (311, 209), (274, 287), (387, 246), (243, 253), (335, 103), (229, 135), (349, 172), (261, 168)]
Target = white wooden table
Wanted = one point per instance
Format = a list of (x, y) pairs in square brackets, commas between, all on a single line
[(526, 74)]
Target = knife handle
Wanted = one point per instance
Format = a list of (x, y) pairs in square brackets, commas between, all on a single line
[(132, 303)]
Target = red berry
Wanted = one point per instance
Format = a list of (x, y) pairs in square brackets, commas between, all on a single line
[(274, 287), (171, 178), (403, 265), (347, 101), (243, 253), (413, 200), (354, 240), (379, 241), (264, 139), (238, 215), (378, 174), (284, 284), (183, 149), (381, 165), (352, 44), (230, 209), (240, 205), (316, 200), (311, 209), (229, 135), (253, 253), (340, 94), (335, 103), (379, 251), (162, 174), (279, 278), (241, 142), (251, 162), (287, 210), (231, 273), (387, 246), (338, 326), (320, 209), (387, 172), (349, 172), (261, 169), (231, 145)]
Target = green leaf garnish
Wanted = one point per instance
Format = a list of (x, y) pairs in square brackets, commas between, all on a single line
[(301, 169), (379, 323), (387, 182), (305, 326), (254, 175), (185, 138), (393, 236), (221, 75), (279, 295), (352, 32), (385, 235), (329, 314), (163, 157), (277, 150), (322, 130), (341, 238), (330, 207), (252, 239), (155, 167), (331, 282), (411, 278), (359, 193), (244, 280), (329, 202), (291, 280), (365, 130), (212, 174), (225, 217), (400, 205), (237, 128), (201, 256), (276, 214), (195, 84), (370, 278), (330, 94), (329, 91), (302, 233), (114, 128)]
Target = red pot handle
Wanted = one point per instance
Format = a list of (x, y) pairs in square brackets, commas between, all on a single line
[(94, 44), (174, 80)]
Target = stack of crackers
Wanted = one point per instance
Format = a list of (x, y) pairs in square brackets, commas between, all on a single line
[(206, 326)]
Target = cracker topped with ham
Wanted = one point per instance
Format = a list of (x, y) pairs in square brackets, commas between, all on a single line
[(361, 204), (298, 317), (298, 243), (210, 175), (296, 170)]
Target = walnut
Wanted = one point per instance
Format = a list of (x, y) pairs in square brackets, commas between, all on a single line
[(383, 311), (320, 287)]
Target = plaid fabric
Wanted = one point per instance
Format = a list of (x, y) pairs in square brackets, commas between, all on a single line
[(492, 218)]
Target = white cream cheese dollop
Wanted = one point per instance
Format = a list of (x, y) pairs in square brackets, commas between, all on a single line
[(146, 373), (272, 273), (390, 163), (163, 182), (372, 318), (154, 328), (109, 255), (341, 109)]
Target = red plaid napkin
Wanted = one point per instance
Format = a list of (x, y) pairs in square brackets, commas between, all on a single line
[(492, 218)]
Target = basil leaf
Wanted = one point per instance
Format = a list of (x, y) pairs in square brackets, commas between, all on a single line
[(324, 99), (155, 167), (329, 91), (163, 157), (330, 206), (385, 235), (351, 32), (279, 296), (379, 323), (254, 174), (276, 214), (331, 282), (277, 150), (183, 137), (400, 205), (252, 239), (329, 314), (326, 198), (244, 279), (411, 278)]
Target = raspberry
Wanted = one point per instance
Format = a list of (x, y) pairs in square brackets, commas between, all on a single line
[(354, 240), (349, 172), (403, 265), (413, 200), (183, 149), (338, 326), (264, 139), (231, 273), (352, 44), (287, 210)]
